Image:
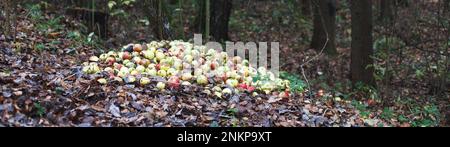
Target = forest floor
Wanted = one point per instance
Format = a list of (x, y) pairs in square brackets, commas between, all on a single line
[(42, 85)]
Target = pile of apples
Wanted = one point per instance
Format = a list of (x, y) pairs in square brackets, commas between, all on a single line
[(180, 63)]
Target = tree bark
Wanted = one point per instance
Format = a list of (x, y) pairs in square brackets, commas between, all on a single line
[(324, 26), (156, 12), (361, 46), (219, 19)]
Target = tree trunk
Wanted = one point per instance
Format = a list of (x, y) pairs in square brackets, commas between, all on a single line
[(305, 7), (361, 46), (220, 17), (386, 11), (324, 25), (156, 12)]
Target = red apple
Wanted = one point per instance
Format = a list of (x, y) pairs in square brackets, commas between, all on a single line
[(158, 66), (213, 66), (250, 88), (137, 48), (243, 86), (126, 56), (174, 82), (110, 60)]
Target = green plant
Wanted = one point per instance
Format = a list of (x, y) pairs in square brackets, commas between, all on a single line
[(296, 84), (402, 118), (40, 47), (34, 12), (51, 25), (363, 111), (116, 7), (40, 110), (387, 113)]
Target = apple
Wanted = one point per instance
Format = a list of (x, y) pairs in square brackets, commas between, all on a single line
[(118, 79), (134, 72), (174, 82), (178, 64), (162, 73), (237, 60), (224, 56), (211, 52), (85, 69), (195, 64), (160, 85), (130, 65), (218, 94), (172, 72), (135, 54), (186, 65), (144, 81), (195, 53), (103, 57), (102, 81), (126, 56), (93, 59), (109, 70), (186, 76), (111, 54), (250, 89), (160, 55), (202, 80), (136, 59), (232, 82), (137, 47), (188, 58), (164, 67), (130, 79), (284, 94), (149, 54), (198, 72), (186, 83), (151, 72), (140, 68), (245, 62), (117, 66), (144, 62), (110, 60), (205, 68), (158, 66), (226, 91), (243, 86), (213, 65)]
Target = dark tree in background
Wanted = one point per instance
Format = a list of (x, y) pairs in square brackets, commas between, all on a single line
[(324, 25), (156, 12), (361, 46), (219, 18)]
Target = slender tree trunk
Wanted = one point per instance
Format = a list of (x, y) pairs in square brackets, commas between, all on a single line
[(324, 26), (156, 12), (207, 19), (8, 8), (361, 46), (220, 12), (199, 24), (220, 17)]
